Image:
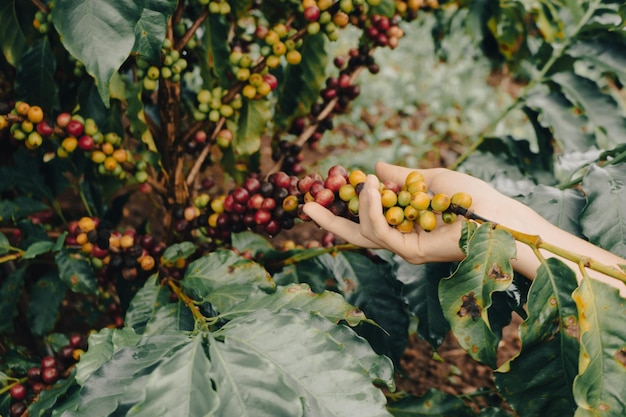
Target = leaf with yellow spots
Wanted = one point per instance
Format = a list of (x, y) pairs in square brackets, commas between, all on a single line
[(548, 360), (76, 272), (599, 386)]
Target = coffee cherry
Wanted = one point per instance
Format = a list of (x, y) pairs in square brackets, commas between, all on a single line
[(17, 409), (18, 392), (48, 362), (461, 199), (34, 374), (50, 375), (427, 220), (440, 202)]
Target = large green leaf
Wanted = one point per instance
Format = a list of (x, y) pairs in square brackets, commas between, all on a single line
[(12, 36), (604, 218), (421, 286), (76, 272), (151, 27), (598, 388), (605, 52), (102, 34), (170, 317), (224, 279), (290, 364), (252, 124), (558, 114), (34, 82), (10, 291), (562, 208), (215, 49), (328, 304), (180, 385), (121, 381), (604, 113), (302, 83), (45, 301), (466, 295), (145, 303), (433, 403), (547, 362)]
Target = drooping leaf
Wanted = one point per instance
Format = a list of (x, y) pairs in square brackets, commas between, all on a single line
[(12, 35), (91, 106), (328, 304), (151, 27), (562, 208), (259, 368), (34, 82), (602, 364), (45, 301), (180, 385), (120, 381), (302, 83), (9, 296), (76, 272), (433, 403), (145, 303), (37, 248), (224, 279), (603, 111), (102, 345), (603, 220), (559, 115), (421, 285), (548, 360), (252, 124), (466, 295)]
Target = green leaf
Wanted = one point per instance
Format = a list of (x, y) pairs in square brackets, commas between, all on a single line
[(35, 83), (58, 245), (12, 36), (20, 207), (91, 106), (466, 295), (302, 83), (252, 123), (602, 364), (562, 208), (224, 279), (251, 241), (102, 345), (215, 48), (559, 115), (27, 176), (180, 385), (76, 272), (605, 52), (150, 28), (604, 113), (604, 218), (259, 368), (45, 301), (37, 248), (170, 317), (328, 304), (119, 382), (9, 296), (548, 360), (177, 251), (433, 403), (5, 245), (145, 303), (421, 285), (48, 398)]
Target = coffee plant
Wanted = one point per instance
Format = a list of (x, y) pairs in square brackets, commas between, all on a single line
[(152, 153)]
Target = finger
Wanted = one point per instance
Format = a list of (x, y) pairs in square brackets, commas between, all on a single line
[(343, 228), (397, 174)]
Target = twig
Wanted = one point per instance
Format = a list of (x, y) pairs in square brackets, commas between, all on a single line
[(193, 173), (195, 25), (41, 6)]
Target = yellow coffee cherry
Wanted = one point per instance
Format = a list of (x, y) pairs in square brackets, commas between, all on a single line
[(395, 215), (406, 226), (461, 199), (427, 220), (420, 200), (440, 202), (414, 176)]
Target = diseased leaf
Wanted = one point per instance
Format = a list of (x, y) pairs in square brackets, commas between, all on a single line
[(45, 302), (603, 220), (466, 295), (299, 296), (180, 385), (562, 208), (76, 272), (224, 279), (598, 388), (433, 403), (548, 360), (258, 368)]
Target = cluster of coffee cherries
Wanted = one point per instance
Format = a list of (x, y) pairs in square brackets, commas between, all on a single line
[(171, 69), (42, 21), (211, 105), (279, 41), (219, 7), (325, 15), (383, 31), (408, 8), (404, 207), (30, 127), (114, 253), (291, 155), (51, 368)]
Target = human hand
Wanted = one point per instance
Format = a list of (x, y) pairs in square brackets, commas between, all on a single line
[(439, 245)]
